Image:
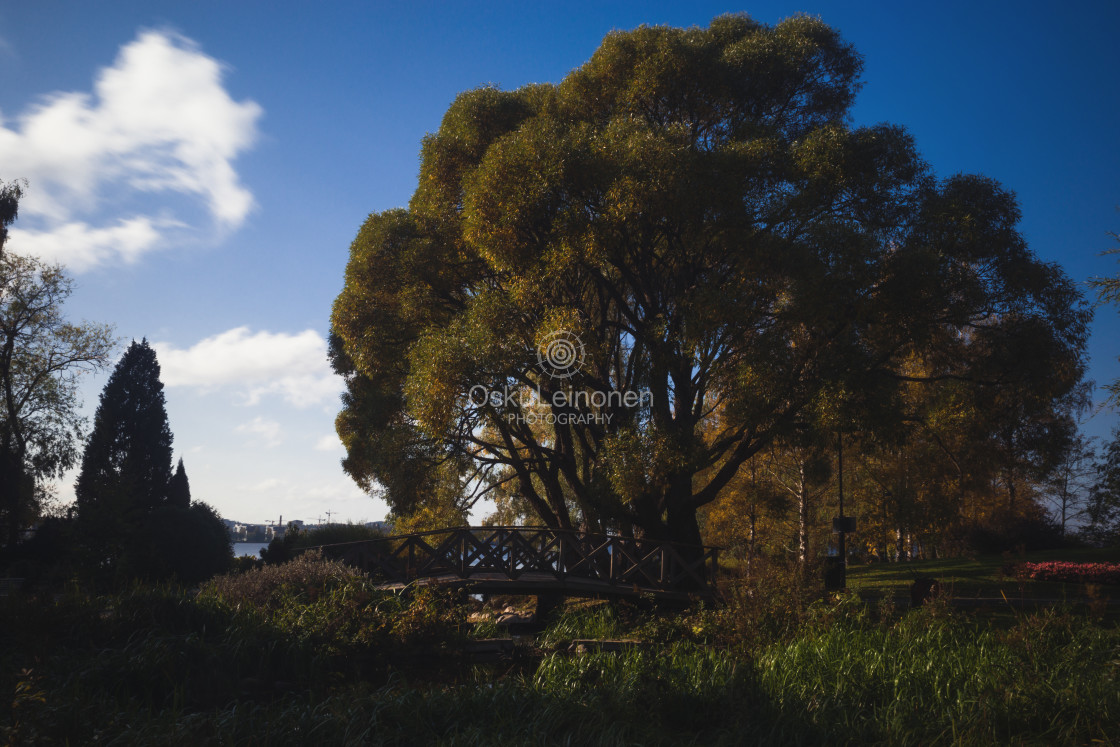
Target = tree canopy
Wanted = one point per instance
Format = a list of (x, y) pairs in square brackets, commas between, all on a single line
[(41, 356), (608, 294), (1103, 506), (1108, 291)]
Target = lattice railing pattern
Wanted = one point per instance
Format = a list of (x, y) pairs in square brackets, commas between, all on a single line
[(514, 551)]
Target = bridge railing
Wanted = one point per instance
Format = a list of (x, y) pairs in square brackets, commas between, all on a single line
[(513, 552)]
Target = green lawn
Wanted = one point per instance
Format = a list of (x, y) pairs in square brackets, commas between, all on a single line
[(974, 577)]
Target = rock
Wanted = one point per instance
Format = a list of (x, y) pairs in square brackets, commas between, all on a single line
[(514, 618)]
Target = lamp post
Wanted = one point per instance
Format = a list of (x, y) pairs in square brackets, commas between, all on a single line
[(837, 577)]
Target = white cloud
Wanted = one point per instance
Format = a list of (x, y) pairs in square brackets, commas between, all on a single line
[(265, 432), (158, 121), (293, 367), (329, 443), (80, 246)]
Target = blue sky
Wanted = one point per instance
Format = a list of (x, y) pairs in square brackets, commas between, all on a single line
[(203, 166)]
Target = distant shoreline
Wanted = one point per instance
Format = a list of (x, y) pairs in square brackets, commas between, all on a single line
[(248, 548)]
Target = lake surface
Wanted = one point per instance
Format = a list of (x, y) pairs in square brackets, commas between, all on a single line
[(248, 548)]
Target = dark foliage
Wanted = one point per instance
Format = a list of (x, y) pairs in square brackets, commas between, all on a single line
[(129, 449), (1103, 510), (188, 545), (179, 489), (281, 549), (135, 518), (295, 540), (1010, 533)]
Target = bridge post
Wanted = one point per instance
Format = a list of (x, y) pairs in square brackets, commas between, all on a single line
[(462, 553), (505, 552), (561, 558)]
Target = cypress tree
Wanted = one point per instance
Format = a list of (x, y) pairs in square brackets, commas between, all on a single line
[(179, 490), (135, 517), (127, 460)]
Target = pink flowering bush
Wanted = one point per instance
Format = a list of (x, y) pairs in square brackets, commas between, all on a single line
[(1070, 573)]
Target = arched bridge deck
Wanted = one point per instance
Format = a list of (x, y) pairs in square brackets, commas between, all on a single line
[(535, 560)]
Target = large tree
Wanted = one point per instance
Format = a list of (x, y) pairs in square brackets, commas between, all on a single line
[(41, 357), (1071, 482), (10, 195), (1103, 507), (1108, 291), (687, 225)]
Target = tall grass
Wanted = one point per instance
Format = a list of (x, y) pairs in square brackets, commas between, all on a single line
[(944, 679), (599, 621), (157, 666)]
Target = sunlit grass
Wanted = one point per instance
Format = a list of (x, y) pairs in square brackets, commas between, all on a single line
[(973, 577)]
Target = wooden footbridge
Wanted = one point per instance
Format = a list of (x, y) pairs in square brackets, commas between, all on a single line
[(536, 560)]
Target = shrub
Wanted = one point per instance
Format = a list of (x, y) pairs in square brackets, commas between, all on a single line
[(1004, 533), (266, 585), (339, 607), (332, 534), (46, 559), (1066, 572), (188, 545), (771, 605), (282, 549)]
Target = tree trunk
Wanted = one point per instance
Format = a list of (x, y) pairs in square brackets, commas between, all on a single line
[(683, 527), (802, 517), (17, 494), (685, 530)]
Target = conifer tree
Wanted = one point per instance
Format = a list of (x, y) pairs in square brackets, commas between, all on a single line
[(179, 489), (135, 516), (127, 460)]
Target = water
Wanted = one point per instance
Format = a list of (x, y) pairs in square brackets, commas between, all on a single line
[(248, 548)]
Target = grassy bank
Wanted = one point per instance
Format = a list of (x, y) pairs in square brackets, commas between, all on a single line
[(980, 576)]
